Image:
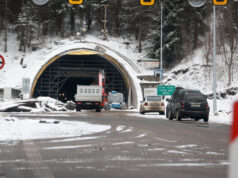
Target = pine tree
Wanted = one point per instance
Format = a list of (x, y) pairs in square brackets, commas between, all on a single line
[(26, 25), (182, 25), (137, 20)]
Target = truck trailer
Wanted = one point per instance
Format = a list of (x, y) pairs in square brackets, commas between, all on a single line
[(88, 97)]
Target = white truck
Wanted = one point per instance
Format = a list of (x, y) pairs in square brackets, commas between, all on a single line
[(88, 97)]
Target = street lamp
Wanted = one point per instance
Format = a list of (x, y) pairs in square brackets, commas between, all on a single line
[(200, 3), (161, 37)]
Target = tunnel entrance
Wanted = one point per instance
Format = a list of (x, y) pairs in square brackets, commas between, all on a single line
[(68, 90), (60, 78)]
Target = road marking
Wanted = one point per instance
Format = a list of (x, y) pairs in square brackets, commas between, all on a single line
[(165, 140), (185, 164), (2, 173), (33, 155)]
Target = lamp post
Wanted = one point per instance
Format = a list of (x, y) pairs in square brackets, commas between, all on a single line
[(161, 37), (214, 62)]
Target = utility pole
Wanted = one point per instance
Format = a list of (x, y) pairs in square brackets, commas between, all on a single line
[(105, 22), (214, 62), (161, 37), (196, 3)]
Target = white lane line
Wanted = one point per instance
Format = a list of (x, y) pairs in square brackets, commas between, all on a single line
[(34, 156), (68, 147), (184, 164), (165, 140), (122, 143)]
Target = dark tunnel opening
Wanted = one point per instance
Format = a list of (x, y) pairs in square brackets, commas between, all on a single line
[(59, 79), (68, 90)]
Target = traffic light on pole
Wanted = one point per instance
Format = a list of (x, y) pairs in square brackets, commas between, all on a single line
[(76, 2), (220, 2), (147, 2)]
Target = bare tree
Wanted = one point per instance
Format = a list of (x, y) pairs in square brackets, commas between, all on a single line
[(207, 53), (230, 37)]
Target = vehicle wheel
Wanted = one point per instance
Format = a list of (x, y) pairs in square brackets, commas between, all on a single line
[(205, 119), (196, 119), (161, 113), (141, 112), (170, 115), (124, 106), (106, 106), (98, 109), (78, 108), (178, 117)]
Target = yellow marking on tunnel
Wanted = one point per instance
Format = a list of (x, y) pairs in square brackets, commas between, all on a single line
[(41, 71), (82, 52)]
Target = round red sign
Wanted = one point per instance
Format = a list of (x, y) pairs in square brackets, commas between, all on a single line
[(2, 62)]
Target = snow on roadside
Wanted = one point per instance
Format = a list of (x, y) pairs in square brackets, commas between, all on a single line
[(12, 128), (221, 118)]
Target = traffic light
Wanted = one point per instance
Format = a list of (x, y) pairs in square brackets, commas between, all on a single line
[(76, 1), (220, 2), (147, 2)]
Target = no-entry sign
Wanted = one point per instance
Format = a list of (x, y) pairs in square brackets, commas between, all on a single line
[(2, 62)]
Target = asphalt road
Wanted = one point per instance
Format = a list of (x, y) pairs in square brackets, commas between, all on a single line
[(134, 147)]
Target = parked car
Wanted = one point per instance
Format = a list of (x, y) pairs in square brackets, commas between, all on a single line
[(187, 104), (152, 104)]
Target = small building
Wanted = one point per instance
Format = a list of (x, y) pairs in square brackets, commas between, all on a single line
[(9, 93)]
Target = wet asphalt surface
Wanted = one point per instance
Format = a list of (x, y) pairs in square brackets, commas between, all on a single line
[(134, 147)]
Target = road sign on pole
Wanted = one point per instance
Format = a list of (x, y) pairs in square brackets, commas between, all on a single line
[(147, 2), (197, 3), (78, 2), (233, 172), (220, 2), (165, 90), (2, 62), (158, 73), (40, 2)]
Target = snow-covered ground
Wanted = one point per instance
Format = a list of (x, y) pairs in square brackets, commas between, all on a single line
[(222, 118), (14, 129), (33, 60), (191, 73)]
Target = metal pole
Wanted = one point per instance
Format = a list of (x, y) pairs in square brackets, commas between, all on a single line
[(161, 37), (214, 61)]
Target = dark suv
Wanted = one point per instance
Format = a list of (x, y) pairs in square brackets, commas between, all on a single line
[(187, 104)]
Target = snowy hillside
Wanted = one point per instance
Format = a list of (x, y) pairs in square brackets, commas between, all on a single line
[(32, 59), (190, 73)]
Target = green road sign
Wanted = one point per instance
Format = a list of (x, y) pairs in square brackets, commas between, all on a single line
[(165, 90)]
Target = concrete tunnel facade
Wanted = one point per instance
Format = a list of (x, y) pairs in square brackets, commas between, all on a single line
[(125, 66)]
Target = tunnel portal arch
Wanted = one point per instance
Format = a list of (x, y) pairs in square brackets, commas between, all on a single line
[(124, 71)]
